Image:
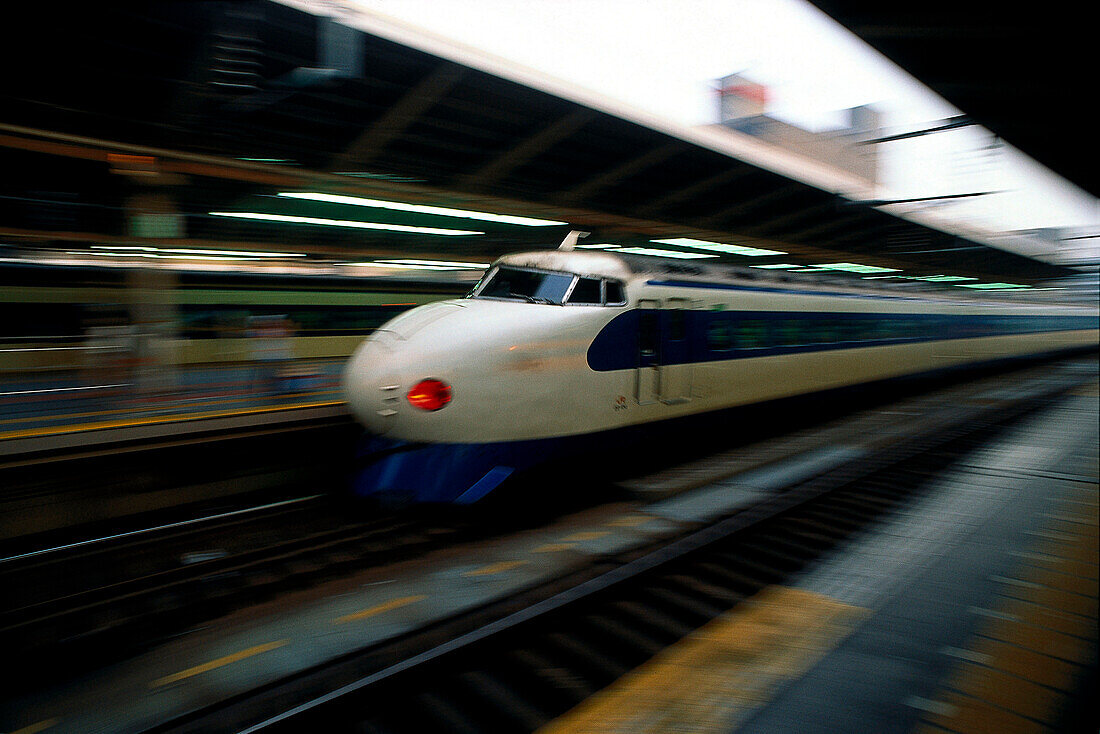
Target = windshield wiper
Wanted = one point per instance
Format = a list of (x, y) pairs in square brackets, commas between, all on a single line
[(533, 299)]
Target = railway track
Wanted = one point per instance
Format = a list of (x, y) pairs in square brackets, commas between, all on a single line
[(107, 597), (517, 664)]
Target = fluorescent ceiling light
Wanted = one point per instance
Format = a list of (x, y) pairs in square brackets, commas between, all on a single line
[(422, 209), (343, 223), (994, 286), (777, 266), (601, 246), (855, 268), (189, 251), (941, 278), (925, 278), (399, 266), (380, 176), (439, 263), (158, 256), (719, 247), (654, 252)]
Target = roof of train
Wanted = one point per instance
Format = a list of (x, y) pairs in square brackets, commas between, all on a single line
[(629, 267)]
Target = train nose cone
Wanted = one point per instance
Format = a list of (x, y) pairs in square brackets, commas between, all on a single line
[(371, 383)]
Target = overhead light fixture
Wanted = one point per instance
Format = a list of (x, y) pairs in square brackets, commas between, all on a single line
[(718, 247), (994, 286), (380, 176), (924, 278), (855, 268), (343, 223), (400, 266), (777, 266), (421, 209), (192, 251), (654, 252), (600, 246), (941, 278), (160, 256), (439, 263)]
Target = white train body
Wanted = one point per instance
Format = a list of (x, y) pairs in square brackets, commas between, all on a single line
[(625, 342)]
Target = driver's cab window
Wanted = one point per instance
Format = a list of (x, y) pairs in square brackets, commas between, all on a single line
[(613, 293), (586, 291), (526, 285), (510, 283)]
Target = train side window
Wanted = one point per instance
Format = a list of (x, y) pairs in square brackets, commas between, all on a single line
[(677, 329), (586, 291), (844, 330), (752, 334), (647, 334), (613, 293), (818, 331), (830, 331), (790, 333), (834, 330), (719, 336)]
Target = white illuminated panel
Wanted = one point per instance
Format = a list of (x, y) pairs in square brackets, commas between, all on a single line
[(855, 268), (421, 209), (439, 263), (131, 249), (654, 252), (719, 247), (286, 218), (399, 266)]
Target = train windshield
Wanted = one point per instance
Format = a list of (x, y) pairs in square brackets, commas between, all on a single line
[(526, 285)]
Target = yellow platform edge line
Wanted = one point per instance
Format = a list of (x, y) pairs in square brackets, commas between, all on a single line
[(218, 663), (495, 568), (130, 409), (178, 418), (720, 673), (37, 726), (387, 606)]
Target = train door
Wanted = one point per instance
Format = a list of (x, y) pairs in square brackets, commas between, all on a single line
[(647, 375), (677, 369)]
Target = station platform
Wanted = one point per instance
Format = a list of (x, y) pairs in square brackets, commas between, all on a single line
[(974, 610), (55, 411)]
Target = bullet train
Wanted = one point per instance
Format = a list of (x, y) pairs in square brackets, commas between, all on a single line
[(554, 351)]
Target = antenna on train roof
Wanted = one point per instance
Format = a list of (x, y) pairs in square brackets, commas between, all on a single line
[(570, 240)]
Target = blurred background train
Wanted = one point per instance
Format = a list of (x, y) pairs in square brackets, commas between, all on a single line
[(555, 349), (49, 313)]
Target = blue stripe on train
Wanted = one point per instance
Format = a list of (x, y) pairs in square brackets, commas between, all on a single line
[(715, 336), (464, 473)]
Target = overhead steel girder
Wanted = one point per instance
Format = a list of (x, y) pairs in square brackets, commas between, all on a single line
[(622, 171), (675, 196), (526, 149), (844, 221), (747, 205), (400, 116)]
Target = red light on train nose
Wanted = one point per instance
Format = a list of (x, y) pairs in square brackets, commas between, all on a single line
[(430, 394)]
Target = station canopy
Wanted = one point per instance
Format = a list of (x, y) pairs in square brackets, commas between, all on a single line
[(261, 126), (1022, 70)]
